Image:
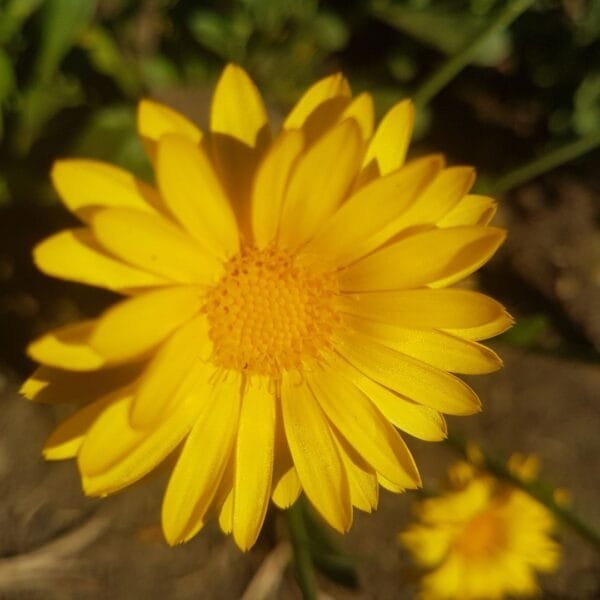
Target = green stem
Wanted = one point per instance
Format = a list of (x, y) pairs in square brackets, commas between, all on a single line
[(305, 571), (536, 489), (544, 163), (454, 64)]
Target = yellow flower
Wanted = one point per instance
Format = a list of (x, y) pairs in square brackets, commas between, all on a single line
[(482, 539), (285, 308)]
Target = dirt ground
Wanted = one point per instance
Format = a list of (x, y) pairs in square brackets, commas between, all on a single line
[(112, 548)]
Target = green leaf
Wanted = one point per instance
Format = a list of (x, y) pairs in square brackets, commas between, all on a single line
[(7, 76), (107, 58), (13, 15), (62, 21), (586, 116), (111, 135), (445, 31)]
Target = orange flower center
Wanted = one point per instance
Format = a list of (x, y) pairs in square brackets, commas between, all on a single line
[(268, 312), (483, 536)]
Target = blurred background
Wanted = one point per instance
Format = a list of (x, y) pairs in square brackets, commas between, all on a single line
[(71, 72)]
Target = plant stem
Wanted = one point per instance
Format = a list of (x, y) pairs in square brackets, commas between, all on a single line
[(537, 490), (544, 163), (454, 64), (305, 572)]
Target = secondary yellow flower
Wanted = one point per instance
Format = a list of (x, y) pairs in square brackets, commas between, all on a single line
[(483, 539), (285, 308)]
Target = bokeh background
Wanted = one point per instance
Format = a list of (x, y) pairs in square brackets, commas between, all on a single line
[(71, 72)]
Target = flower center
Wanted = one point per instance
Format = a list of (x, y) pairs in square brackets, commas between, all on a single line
[(268, 312), (483, 536)]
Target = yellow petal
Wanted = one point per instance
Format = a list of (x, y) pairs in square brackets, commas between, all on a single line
[(87, 185), (286, 485), (133, 326), (438, 257), (361, 109), (287, 489), (491, 328), (193, 193), (315, 455), (363, 426), (437, 348), (323, 118), (390, 142), (270, 185), (66, 439), (74, 254), (226, 514), (155, 120), (444, 193), (409, 377), (57, 385), (237, 108), (471, 210), (420, 421), (114, 455), (364, 490), (367, 219), (68, 348), (202, 462), (180, 359), (154, 244), (253, 462), (320, 180), (425, 309), (323, 90), (239, 136)]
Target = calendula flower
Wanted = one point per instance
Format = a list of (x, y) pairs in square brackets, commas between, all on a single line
[(482, 539), (285, 308)]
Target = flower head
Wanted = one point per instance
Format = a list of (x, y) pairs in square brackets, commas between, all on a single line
[(482, 539), (285, 308)]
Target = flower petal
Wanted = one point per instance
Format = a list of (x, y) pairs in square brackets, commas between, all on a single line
[(68, 348), (66, 439), (87, 185), (487, 330), (55, 386), (437, 348), (132, 327), (320, 180), (154, 244), (362, 110), (193, 193), (155, 120), (409, 377), (237, 108), (325, 89), (367, 219), (114, 455), (180, 360), (390, 142), (425, 309), (203, 460), (253, 462), (74, 254), (364, 491), (471, 210), (315, 455), (286, 484), (270, 185), (363, 426), (420, 421), (443, 194), (438, 257)]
